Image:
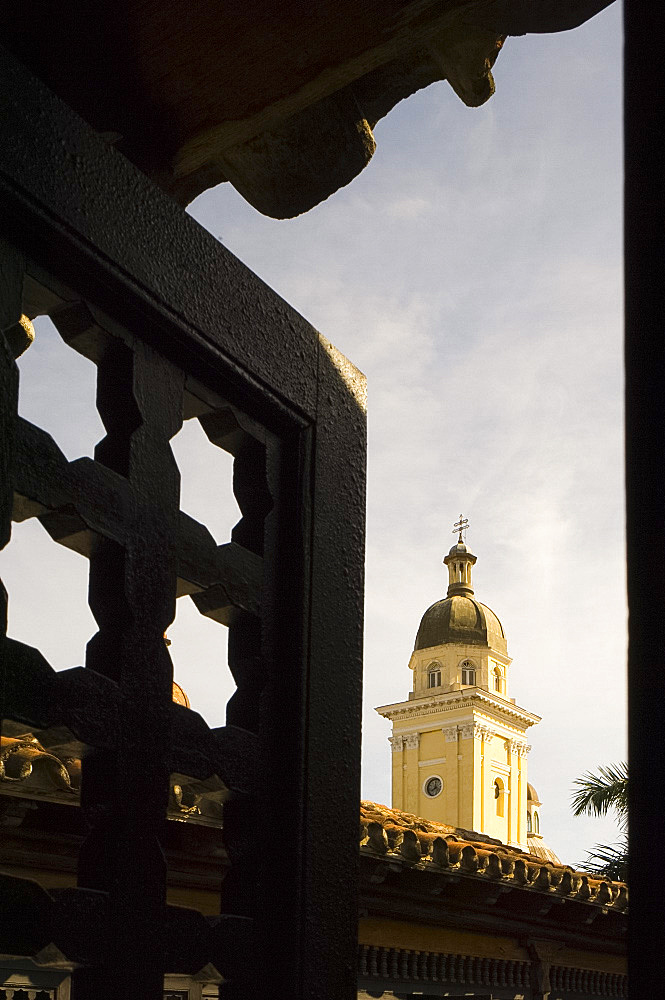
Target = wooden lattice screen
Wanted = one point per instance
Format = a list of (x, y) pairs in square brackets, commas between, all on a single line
[(179, 329)]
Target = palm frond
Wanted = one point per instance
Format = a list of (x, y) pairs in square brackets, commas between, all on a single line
[(596, 794), (608, 861)]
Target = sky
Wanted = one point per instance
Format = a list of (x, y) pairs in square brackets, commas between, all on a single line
[(473, 272)]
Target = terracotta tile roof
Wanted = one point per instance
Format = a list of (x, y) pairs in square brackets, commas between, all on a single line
[(422, 843), (30, 770)]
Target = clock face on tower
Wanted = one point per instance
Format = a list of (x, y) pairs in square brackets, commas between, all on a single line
[(433, 786)]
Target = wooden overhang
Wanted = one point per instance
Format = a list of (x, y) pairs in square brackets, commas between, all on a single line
[(280, 99)]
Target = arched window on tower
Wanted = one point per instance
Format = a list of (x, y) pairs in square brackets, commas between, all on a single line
[(468, 672), (498, 680), (499, 795), (434, 675), (528, 822), (536, 823)]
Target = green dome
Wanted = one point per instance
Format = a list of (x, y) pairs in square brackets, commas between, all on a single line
[(460, 619)]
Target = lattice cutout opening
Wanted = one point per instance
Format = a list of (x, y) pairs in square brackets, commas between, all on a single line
[(57, 391), (47, 586), (222, 460), (199, 646), (199, 651), (40, 766), (206, 481), (193, 842)]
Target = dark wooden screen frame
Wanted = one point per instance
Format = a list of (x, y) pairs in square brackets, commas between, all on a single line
[(644, 359), (129, 268)]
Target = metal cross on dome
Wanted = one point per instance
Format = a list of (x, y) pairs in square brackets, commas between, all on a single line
[(461, 526)]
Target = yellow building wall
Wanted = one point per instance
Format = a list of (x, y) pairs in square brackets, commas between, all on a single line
[(398, 777), (423, 937), (466, 761), (430, 745), (411, 791), (412, 936), (449, 658), (207, 901), (502, 761), (468, 751), (497, 768)]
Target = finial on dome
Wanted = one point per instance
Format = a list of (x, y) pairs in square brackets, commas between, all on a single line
[(461, 527)]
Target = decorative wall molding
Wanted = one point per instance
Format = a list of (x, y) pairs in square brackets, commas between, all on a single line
[(411, 741), (432, 762), (396, 743)]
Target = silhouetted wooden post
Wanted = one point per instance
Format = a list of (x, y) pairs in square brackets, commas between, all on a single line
[(179, 329)]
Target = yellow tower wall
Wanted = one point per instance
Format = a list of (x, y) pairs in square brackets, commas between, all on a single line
[(450, 658), (398, 773), (469, 750)]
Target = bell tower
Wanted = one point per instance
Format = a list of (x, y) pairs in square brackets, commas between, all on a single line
[(459, 747)]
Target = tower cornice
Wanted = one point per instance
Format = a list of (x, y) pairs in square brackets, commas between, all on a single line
[(484, 701)]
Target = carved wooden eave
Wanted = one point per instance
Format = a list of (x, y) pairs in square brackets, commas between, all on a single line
[(278, 99)]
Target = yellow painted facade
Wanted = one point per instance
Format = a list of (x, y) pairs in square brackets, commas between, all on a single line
[(412, 936), (459, 747)]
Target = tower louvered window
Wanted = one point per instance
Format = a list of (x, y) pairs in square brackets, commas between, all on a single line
[(468, 672), (434, 677)]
